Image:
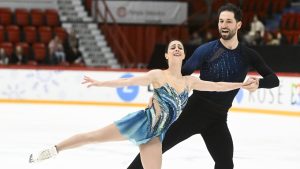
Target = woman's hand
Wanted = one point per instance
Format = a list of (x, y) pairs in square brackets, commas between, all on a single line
[(251, 84), (90, 82)]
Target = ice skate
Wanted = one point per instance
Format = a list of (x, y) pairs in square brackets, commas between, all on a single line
[(43, 155)]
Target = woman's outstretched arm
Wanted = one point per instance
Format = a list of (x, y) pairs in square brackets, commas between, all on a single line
[(198, 84), (144, 80)]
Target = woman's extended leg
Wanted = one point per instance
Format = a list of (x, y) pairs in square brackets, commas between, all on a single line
[(108, 133), (151, 154)]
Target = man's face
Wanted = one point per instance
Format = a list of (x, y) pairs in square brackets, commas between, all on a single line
[(227, 25)]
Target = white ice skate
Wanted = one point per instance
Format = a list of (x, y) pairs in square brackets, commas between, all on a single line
[(43, 155)]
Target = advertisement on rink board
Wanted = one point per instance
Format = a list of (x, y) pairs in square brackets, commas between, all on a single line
[(145, 12), (64, 86), (285, 97)]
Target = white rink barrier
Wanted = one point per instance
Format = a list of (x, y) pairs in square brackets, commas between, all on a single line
[(64, 87)]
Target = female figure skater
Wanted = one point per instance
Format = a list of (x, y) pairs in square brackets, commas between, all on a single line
[(146, 128)]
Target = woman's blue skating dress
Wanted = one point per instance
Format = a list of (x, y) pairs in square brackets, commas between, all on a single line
[(141, 126)]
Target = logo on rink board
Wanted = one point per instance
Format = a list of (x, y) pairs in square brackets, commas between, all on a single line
[(128, 93), (239, 96), (295, 94)]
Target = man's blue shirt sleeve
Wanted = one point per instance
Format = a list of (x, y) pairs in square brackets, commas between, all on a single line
[(195, 61)]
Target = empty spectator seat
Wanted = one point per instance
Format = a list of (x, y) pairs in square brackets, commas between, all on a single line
[(288, 21), (216, 4), (37, 17), (2, 35), (236, 2), (198, 6), (30, 34), (52, 17), (39, 52), (278, 5), (13, 33), (5, 16), (297, 26), (22, 17), (45, 34)]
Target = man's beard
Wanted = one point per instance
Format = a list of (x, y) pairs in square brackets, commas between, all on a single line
[(228, 36)]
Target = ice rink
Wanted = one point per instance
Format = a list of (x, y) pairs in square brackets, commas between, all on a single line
[(261, 141)]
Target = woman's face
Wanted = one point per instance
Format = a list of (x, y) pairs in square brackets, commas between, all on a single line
[(175, 50)]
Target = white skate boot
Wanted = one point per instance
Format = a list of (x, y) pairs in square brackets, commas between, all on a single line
[(43, 155)]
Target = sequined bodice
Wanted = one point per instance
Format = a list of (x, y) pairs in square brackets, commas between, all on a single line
[(171, 104)]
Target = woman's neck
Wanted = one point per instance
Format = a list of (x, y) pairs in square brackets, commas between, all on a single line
[(174, 72)]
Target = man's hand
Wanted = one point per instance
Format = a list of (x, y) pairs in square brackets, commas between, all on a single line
[(251, 84)]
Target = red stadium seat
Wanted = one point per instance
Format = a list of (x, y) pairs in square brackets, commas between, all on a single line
[(247, 19), (284, 21), (278, 5), (289, 21), (22, 17), (292, 36), (13, 33), (52, 17), (289, 36), (61, 33), (199, 6), (236, 2), (2, 36), (39, 52), (45, 34), (249, 5), (89, 3), (8, 47), (298, 22), (281, 5), (37, 17), (5, 16), (265, 5), (292, 21), (216, 4), (296, 36), (30, 34)]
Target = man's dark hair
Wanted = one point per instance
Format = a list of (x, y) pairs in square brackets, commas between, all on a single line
[(231, 8)]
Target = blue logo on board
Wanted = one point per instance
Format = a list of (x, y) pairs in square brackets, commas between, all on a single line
[(128, 93), (239, 96)]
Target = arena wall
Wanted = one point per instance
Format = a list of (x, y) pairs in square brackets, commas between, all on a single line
[(29, 4), (62, 86)]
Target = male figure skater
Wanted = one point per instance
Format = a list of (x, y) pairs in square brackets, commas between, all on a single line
[(225, 60)]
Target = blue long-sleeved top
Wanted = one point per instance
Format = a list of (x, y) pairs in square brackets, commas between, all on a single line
[(217, 63)]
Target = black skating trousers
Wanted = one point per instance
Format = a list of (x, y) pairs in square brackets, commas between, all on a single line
[(201, 117)]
